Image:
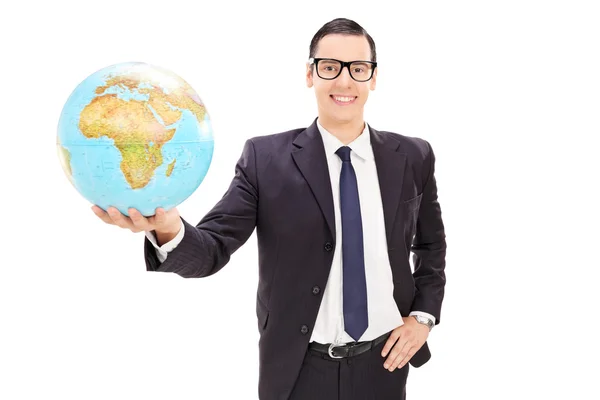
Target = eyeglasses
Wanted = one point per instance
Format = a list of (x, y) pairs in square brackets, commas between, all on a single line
[(330, 68)]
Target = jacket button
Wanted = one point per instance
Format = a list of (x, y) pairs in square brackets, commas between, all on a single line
[(316, 290), (328, 246), (304, 329)]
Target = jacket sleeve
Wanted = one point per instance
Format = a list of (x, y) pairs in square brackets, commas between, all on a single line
[(429, 247), (208, 246)]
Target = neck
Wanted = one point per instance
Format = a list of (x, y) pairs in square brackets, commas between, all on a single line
[(345, 131)]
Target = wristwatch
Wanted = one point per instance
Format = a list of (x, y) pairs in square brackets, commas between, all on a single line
[(425, 321)]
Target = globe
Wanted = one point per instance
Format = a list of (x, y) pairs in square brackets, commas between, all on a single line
[(135, 135)]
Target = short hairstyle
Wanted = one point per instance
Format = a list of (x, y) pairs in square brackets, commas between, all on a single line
[(341, 26)]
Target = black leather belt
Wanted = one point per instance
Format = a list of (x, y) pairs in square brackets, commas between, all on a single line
[(349, 349)]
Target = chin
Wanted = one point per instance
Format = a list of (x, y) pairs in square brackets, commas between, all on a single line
[(344, 117)]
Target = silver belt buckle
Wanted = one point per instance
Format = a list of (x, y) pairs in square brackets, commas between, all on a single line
[(330, 350)]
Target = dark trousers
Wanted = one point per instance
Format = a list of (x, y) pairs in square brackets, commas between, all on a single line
[(361, 377)]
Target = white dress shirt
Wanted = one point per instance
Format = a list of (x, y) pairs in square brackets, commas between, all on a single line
[(384, 315)]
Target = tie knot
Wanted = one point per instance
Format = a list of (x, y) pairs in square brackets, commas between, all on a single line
[(344, 153)]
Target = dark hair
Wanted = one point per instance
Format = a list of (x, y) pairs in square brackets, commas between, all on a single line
[(341, 26)]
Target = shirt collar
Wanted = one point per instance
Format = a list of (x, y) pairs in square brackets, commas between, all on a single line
[(361, 145)]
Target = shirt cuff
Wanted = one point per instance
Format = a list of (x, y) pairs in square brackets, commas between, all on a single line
[(162, 251), (423, 314)]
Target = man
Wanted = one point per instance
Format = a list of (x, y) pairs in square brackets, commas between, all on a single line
[(338, 207)]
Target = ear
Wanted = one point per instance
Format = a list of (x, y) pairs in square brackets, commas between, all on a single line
[(373, 81), (309, 75)]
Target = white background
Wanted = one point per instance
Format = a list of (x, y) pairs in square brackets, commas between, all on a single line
[(507, 92)]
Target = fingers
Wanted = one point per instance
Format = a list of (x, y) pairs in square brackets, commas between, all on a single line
[(103, 215), (119, 219), (402, 345), (398, 353), (139, 222), (390, 342), (409, 355), (136, 222)]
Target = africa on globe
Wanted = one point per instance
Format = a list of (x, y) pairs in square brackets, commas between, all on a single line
[(134, 135)]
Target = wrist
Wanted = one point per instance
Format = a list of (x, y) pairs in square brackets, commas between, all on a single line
[(424, 321)]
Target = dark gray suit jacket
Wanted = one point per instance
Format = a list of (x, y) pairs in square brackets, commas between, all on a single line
[(282, 188)]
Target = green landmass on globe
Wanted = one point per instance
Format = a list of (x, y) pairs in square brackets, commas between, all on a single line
[(154, 119)]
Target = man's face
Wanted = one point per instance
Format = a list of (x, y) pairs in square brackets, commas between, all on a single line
[(333, 95)]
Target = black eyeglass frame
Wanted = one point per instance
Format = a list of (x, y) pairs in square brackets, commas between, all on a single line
[(345, 64)]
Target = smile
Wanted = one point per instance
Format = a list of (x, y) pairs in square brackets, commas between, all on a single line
[(343, 100)]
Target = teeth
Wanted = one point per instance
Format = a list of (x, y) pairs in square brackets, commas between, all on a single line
[(343, 99)]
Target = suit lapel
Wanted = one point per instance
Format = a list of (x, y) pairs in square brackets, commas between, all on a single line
[(390, 170), (309, 156)]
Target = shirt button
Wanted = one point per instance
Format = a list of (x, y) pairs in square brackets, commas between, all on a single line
[(328, 246), (304, 329), (316, 290)]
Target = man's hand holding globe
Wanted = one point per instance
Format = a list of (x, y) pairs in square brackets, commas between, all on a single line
[(165, 224), (135, 140)]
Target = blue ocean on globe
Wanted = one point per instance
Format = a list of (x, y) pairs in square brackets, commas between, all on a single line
[(135, 135)]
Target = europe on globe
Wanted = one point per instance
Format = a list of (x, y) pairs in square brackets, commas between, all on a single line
[(134, 135)]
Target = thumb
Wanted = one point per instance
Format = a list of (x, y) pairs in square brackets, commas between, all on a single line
[(159, 218), (166, 220)]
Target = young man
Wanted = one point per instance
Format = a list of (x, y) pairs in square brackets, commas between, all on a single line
[(341, 206)]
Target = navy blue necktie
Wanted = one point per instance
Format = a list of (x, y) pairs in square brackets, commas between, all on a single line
[(356, 318)]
